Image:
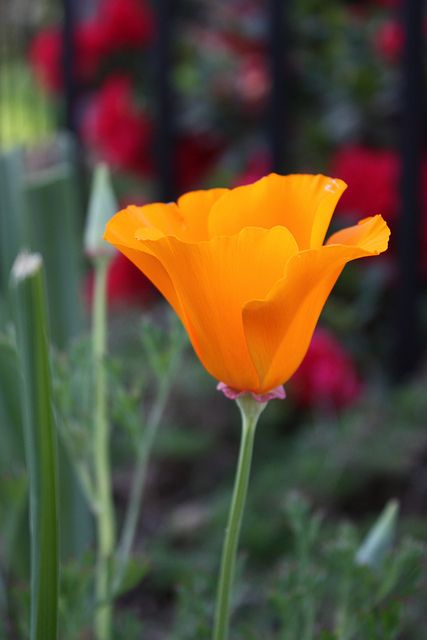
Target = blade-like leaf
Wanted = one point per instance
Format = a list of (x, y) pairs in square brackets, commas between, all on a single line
[(380, 537), (40, 441)]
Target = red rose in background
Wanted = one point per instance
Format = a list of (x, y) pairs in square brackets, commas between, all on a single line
[(372, 177), (327, 377), (47, 50), (121, 134), (390, 40), (117, 130), (45, 56), (126, 286), (126, 24), (119, 25), (90, 48)]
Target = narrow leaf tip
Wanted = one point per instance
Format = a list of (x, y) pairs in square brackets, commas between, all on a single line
[(26, 264)]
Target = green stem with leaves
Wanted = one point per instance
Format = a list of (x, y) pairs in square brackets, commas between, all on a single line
[(250, 410), (143, 456), (105, 510)]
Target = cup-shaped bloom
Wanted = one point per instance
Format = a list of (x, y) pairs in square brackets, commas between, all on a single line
[(246, 269)]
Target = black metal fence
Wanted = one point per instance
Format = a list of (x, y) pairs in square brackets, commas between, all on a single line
[(412, 144)]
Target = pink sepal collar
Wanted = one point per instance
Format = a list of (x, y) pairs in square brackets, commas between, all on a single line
[(278, 393)]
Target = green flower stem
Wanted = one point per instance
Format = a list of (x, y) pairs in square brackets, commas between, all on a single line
[(40, 442), (250, 410), (138, 482), (105, 511)]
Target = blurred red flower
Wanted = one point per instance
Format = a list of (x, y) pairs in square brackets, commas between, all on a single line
[(327, 377), (45, 56), (125, 24), (121, 134), (372, 177), (119, 25), (389, 40), (194, 157), (116, 128), (126, 285)]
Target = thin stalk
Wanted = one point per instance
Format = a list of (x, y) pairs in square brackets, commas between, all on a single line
[(250, 410), (40, 442), (343, 622), (105, 511), (138, 481), (308, 611)]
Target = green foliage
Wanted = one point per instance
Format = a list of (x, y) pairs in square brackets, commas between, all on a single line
[(55, 234), (316, 589), (30, 217), (26, 115)]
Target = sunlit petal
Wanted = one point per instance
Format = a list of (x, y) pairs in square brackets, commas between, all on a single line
[(302, 203), (120, 231), (194, 208), (213, 281), (279, 328)]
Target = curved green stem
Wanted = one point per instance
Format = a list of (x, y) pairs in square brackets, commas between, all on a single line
[(250, 410), (104, 511)]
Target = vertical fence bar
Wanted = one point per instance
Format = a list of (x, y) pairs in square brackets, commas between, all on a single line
[(277, 115), (74, 147), (164, 99), (68, 65), (411, 143)]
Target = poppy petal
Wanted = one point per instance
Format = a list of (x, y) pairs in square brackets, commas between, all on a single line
[(304, 204), (166, 218), (371, 234), (120, 232), (279, 328), (194, 208), (213, 281)]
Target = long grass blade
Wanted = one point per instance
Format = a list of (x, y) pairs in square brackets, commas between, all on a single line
[(40, 442)]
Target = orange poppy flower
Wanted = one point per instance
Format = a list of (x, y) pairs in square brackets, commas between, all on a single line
[(246, 269)]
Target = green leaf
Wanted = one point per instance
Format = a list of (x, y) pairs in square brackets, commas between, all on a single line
[(11, 450), (40, 442), (379, 539), (136, 569)]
